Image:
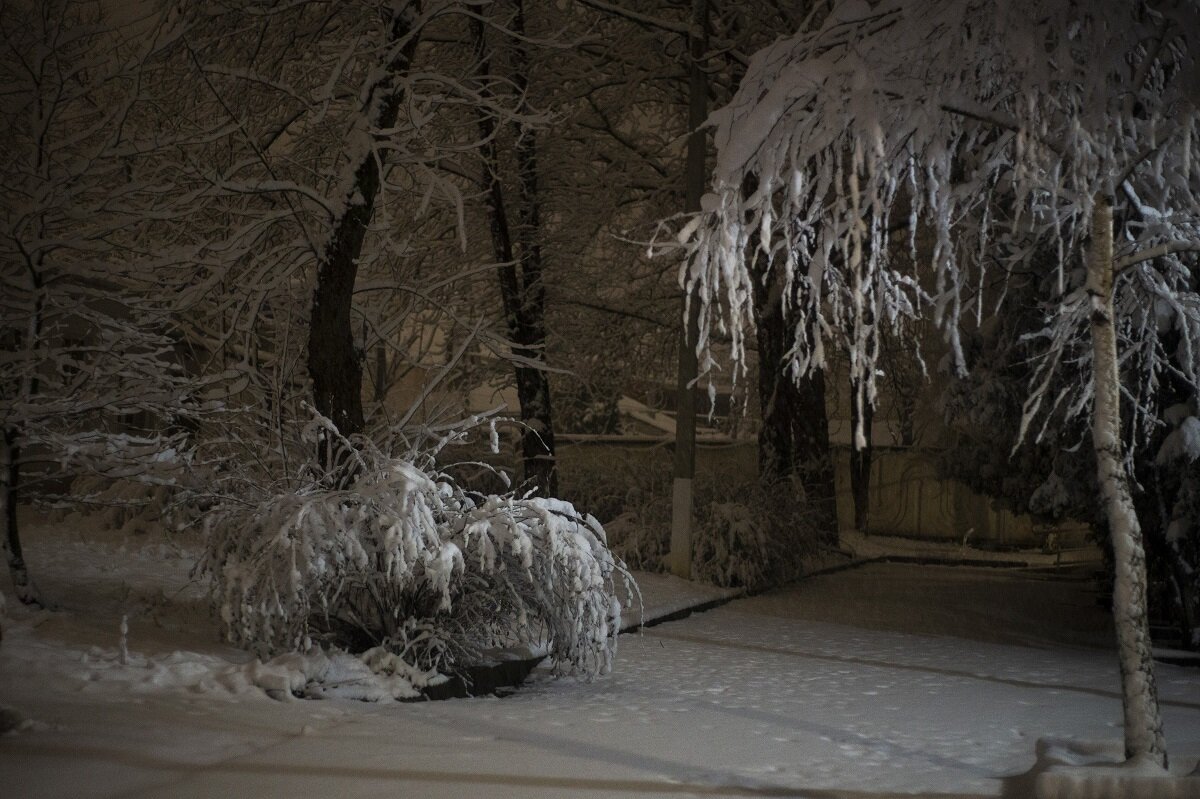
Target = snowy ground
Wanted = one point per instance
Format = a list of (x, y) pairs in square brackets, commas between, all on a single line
[(866, 547), (881, 680)]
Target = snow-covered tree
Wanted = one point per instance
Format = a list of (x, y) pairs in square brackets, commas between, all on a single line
[(92, 273), (517, 232), (333, 225), (1054, 478), (995, 127), (340, 199), (639, 121)]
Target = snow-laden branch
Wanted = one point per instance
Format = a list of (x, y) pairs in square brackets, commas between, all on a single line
[(659, 24), (1158, 251), (1011, 134), (875, 112)]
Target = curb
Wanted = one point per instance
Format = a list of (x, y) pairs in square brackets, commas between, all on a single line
[(683, 613)]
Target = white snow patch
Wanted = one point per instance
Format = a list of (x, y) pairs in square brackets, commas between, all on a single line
[(1099, 771), (885, 679)]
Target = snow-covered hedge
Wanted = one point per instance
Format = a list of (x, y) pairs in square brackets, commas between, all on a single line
[(745, 535), (731, 546), (755, 536), (408, 561)]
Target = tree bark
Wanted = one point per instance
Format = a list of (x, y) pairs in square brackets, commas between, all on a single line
[(794, 438), (812, 453), (861, 418), (10, 451), (533, 385), (10, 474), (334, 362), (522, 289), (1143, 721)]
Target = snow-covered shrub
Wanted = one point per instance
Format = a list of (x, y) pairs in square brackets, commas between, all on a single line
[(408, 562), (641, 536), (130, 505), (731, 546), (743, 534), (752, 536), (629, 489)]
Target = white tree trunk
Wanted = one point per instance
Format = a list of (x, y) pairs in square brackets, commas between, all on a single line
[(1143, 722), (695, 175)]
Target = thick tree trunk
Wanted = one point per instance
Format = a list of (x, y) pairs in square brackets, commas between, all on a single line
[(812, 453), (861, 419), (776, 455), (522, 290), (334, 363), (10, 479), (1143, 722), (533, 385), (794, 438), (533, 389)]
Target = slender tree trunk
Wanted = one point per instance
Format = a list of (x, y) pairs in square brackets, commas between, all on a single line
[(861, 418), (1143, 722), (334, 362), (522, 290), (10, 451), (10, 479), (381, 375)]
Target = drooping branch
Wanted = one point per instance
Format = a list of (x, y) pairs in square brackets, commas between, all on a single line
[(843, 125), (1150, 253)]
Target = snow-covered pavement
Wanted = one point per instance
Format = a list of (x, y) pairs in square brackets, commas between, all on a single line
[(882, 680)]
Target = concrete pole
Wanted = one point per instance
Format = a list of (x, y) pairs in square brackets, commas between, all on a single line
[(680, 557)]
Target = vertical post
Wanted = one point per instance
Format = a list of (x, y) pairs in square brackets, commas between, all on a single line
[(680, 557)]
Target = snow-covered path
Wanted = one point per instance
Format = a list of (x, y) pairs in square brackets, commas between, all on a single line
[(837, 688)]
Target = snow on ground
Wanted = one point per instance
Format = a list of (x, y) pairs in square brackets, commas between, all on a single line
[(661, 595), (867, 547), (888, 679)]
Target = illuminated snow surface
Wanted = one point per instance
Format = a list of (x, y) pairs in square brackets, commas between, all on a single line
[(887, 679)]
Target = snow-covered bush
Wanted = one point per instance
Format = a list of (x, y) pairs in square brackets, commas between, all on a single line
[(641, 535), (753, 536), (744, 534), (731, 546), (130, 505), (408, 563)]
